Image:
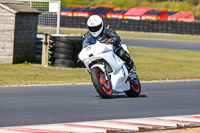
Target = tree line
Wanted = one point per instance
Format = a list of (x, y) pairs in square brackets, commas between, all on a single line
[(194, 2)]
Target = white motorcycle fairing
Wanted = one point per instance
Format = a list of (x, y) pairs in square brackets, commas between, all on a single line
[(102, 51)]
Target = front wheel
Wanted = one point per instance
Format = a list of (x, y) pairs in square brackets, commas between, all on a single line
[(102, 86), (135, 88)]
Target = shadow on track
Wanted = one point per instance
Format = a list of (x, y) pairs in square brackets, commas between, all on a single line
[(123, 96)]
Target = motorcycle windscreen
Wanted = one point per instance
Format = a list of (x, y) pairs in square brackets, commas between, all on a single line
[(91, 40)]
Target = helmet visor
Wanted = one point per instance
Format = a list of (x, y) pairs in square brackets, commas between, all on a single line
[(95, 29)]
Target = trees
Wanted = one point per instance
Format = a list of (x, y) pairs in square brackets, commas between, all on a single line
[(194, 2)]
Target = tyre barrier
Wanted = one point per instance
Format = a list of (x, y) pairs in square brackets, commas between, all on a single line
[(64, 63), (156, 26), (62, 56), (38, 50), (66, 52), (64, 45), (63, 51)]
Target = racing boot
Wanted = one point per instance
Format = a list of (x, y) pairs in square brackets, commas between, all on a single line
[(132, 68)]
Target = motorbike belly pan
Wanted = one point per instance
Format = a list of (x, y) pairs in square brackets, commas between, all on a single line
[(119, 82), (119, 75)]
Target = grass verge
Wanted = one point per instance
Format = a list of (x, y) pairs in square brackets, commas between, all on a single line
[(152, 64)]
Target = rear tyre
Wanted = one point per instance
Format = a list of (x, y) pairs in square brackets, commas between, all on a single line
[(103, 87), (135, 89)]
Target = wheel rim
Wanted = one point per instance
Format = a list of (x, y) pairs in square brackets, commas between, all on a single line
[(106, 85), (136, 87)]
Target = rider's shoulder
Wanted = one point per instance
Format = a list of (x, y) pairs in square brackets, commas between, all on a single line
[(86, 35), (108, 27)]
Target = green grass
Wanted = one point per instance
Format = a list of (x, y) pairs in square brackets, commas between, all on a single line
[(152, 64), (21, 74), (166, 64)]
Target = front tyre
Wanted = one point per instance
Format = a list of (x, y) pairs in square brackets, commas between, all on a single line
[(135, 88), (102, 86)]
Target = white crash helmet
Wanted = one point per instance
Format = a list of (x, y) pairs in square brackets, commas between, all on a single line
[(95, 25)]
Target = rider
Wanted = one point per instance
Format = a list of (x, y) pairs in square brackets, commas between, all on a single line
[(97, 28)]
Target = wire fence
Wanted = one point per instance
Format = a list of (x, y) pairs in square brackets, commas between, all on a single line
[(48, 21)]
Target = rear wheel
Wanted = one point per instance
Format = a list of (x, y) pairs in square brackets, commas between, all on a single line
[(102, 86), (135, 88)]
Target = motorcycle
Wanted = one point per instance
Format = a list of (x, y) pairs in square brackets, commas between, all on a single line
[(108, 72)]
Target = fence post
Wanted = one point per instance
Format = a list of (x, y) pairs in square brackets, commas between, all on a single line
[(58, 18), (45, 49)]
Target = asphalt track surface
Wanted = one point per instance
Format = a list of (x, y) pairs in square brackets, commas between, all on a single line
[(33, 105), (167, 44)]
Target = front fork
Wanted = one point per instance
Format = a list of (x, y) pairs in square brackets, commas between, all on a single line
[(107, 77), (133, 78)]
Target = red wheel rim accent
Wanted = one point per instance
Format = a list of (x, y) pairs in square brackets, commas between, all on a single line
[(106, 85), (136, 87)]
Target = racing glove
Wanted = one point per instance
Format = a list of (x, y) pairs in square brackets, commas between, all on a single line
[(111, 41)]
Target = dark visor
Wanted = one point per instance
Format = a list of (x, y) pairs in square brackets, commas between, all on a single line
[(95, 29)]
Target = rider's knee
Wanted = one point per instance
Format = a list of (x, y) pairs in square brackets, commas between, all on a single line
[(123, 54)]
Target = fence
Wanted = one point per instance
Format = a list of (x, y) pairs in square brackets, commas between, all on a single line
[(49, 20), (176, 27)]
